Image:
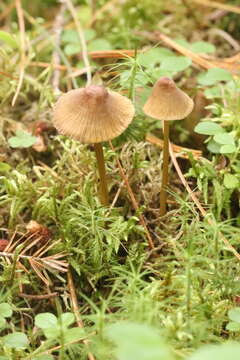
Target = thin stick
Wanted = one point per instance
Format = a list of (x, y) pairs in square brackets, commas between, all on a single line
[(219, 32), (102, 174), (38, 297), (182, 152), (133, 199), (163, 192), (54, 66), (57, 30), (218, 5), (82, 39), (75, 308), (23, 45)]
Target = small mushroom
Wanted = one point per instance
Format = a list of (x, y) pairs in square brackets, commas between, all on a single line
[(92, 115), (167, 102)]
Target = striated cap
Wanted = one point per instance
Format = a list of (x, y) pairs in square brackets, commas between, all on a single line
[(92, 114), (167, 102)]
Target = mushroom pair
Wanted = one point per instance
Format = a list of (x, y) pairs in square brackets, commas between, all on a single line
[(93, 114)]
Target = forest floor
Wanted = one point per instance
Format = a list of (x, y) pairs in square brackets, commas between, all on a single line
[(81, 280)]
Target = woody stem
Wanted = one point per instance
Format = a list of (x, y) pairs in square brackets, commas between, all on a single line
[(102, 174), (163, 191)]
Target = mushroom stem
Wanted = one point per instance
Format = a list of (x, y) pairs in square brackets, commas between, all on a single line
[(163, 191), (102, 174)]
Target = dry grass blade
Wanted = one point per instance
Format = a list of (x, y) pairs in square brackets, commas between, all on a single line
[(227, 37), (35, 267), (7, 75), (182, 151), (55, 265), (12, 243), (82, 39), (37, 297), (217, 5), (23, 45), (57, 29), (232, 59), (75, 308), (26, 247), (54, 66), (119, 54), (45, 248), (198, 204)]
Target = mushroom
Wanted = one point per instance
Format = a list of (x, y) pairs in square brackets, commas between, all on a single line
[(167, 102), (92, 115)]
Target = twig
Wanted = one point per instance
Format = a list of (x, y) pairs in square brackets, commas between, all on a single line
[(23, 49), (182, 151), (133, 199), (45, 65), (233, 59), (82, 39), (216, 15), (115, 198), (217, 5), (225, 36), (75, 308), (8, 75), (124, 53), (56, 59), (197, 203), (38, 297)]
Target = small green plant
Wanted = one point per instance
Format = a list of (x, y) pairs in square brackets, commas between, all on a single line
[(142, 342), (15, 340), (22, 140), (138, 341), (234, 316), (217, 352), (56, 331), (220, 140), (72, 46), (5, 312)]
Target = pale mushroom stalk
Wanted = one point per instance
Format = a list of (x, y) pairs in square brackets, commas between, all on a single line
[(102, 174), (93, 115), (166, 103), (163, 191)]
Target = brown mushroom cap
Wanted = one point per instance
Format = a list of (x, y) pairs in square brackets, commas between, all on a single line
[(167, 102), (92, 114)]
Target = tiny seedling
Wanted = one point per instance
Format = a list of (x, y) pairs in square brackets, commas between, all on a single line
[(220, 141), (234, 317), (22, 140)]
